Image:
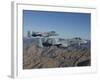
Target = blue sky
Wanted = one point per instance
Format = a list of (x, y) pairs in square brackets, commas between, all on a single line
[(66, 24)]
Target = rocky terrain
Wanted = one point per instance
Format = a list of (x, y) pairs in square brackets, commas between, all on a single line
[(54, 57)]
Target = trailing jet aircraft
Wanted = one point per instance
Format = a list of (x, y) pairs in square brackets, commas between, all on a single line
[(44, 34)]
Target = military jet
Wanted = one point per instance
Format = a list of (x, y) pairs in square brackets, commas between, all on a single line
[(44, 34)]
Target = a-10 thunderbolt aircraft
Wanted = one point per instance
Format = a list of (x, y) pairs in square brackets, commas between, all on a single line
[(42, 34), (46, 40)]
